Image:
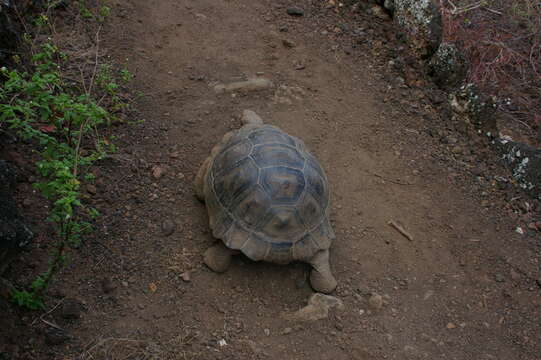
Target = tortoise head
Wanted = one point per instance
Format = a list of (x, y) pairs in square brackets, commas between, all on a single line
[(249, 117)]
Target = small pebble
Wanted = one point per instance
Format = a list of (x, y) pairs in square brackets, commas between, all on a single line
[(295, 11), (185, 276), (91, 189), (168, 227), (157, 172), (376, 301), (288, 43)]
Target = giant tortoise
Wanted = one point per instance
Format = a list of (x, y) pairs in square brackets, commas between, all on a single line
[(267, 197)]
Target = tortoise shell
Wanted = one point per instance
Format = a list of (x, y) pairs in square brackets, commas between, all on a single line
[(267, 196)]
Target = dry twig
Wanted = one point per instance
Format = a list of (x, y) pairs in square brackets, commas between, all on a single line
[(401, 230)]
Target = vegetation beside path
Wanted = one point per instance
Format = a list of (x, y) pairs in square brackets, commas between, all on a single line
[(62, 111)]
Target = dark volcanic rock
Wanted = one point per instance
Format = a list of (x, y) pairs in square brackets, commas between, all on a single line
[(448, 66), (295, 11), (525, 162), (14, 233), (421, 20), (471, 106), (8, 31)]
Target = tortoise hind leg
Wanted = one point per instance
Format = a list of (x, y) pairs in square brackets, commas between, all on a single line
[(321, 277), (218, 257)]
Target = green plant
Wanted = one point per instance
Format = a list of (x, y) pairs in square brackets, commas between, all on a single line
[(106, 79), (100, 15), (126, 75), (65, 125), (84, 10), (104, 13)]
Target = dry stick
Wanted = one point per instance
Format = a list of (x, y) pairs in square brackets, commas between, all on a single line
[(89, 94), (401, 230), (494, 11), (48, 312), (51, 324), (95, 62), (83, 80)]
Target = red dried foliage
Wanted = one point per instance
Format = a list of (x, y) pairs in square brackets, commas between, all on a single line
[(501, 40)]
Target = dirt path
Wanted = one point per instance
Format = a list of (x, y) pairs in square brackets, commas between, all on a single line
[(464, 288)]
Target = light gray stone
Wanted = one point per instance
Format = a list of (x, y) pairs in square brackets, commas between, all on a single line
[(254, 84), (318, 308)]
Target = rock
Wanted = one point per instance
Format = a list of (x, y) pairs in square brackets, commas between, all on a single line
[(499, 277), (379, 12), (91, 189), (107, 286), (451, 325), (15, 234), (477, 171), (168, 227), (389, 5), (375, 301), (525, 164), (472, 107), (287, 331), (295, 11), (300, 66), (71, 309), (318, 308), (448, 66), (158, 171), (288, 43), (422, 22), (10, 28), (185, 276), (245, 86)]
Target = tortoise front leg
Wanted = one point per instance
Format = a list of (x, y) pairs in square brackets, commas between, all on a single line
[(218, 257), (321, 277)]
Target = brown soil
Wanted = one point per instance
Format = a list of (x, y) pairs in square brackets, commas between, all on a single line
[(466, 287)]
